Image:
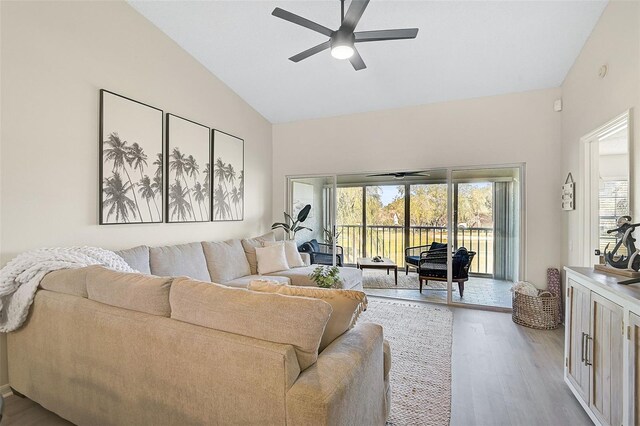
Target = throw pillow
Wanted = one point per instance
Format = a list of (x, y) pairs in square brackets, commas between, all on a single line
[(294, 260), (226, 260), (271, 259), (347, 305), (250, 244)]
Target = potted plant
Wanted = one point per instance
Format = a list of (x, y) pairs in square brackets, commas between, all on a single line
[(291, 226), (325, 276)]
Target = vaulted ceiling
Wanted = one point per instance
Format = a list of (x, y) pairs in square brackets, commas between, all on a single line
[(464, 49)]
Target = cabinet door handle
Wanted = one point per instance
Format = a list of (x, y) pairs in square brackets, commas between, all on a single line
[(587, 362), (582, 358)]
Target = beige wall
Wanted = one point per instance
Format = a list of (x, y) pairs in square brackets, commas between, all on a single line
[(590, 101), (516, 128), (55, 58)]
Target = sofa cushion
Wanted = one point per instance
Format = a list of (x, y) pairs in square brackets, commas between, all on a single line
[(294, 260), (347, 305), (226, 260), (350, 278), (296, 321), (271, 258), (249, 245), (129, 290), (137, 258), (243, 282), (67, 281), (179, 260)]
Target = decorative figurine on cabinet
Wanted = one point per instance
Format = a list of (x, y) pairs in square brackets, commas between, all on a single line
[(630, 261)]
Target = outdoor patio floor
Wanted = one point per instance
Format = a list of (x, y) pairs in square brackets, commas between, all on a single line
[(477, 291)]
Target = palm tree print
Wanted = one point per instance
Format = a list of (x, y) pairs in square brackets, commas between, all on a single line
[(228, 177), (178, 205), (130, 140), (116, 199)]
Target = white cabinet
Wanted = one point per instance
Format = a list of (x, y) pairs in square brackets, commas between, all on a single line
[(602, 346)]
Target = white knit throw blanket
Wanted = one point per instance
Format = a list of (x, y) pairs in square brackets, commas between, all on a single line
[(19, 279)]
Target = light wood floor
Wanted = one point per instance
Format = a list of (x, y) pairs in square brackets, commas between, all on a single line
[(503, 374)]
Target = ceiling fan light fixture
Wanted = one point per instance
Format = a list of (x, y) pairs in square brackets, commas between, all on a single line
[(341, 51), (342, 45)]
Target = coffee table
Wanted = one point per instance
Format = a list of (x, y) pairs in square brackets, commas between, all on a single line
[(388, 264)]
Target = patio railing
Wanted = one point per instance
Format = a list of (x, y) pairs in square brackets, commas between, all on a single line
[(389, 241)]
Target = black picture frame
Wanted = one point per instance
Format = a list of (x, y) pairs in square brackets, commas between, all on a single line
[(182, 203), (135, 137), (227, 160)]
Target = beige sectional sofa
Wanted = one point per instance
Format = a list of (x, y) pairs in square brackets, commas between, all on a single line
[(110, 348), (231, 263)]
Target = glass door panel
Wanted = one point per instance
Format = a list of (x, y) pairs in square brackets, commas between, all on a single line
[(485, 250), (349, 222), (385, 222), (320, 193)]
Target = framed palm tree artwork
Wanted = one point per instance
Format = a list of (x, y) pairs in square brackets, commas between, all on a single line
[(131, 166), (228, 177), (188, 171)]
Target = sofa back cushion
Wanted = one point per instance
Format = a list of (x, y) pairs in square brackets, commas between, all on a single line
[(295, 321), (226, 260), (129, 290), (179, 260), (347, 305), (137, 258), (67, 281), (250, 244)]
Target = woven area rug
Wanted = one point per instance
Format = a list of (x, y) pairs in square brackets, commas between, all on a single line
[(420, 336), (380, 279)]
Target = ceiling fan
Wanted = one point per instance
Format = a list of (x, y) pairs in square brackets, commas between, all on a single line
[(400, 175), (342, 41)]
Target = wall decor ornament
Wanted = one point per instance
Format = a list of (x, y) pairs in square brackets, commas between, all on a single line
[(131, 166), (228, 177), (569, 193), (188, 171)]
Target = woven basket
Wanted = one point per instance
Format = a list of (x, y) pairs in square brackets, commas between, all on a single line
[(540, 312)]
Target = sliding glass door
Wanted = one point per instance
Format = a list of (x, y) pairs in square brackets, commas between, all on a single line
[(485, 222), (454, 234)]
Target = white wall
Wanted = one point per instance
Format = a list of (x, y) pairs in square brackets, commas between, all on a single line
[(590, 101), (496, 130), (55, 58)]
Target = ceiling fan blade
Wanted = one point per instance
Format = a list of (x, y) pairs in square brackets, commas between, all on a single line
[(299, 20), (356, 60), (309, 52), (380, 35), (353, 15)]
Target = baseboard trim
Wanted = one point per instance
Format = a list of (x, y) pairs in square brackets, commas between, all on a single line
[(5, 390)]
